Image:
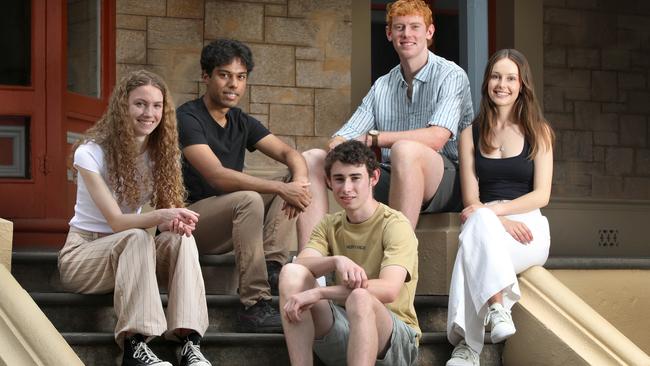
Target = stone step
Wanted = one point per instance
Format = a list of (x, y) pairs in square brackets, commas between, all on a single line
[(94, 313), (235, 349), (37, 271)]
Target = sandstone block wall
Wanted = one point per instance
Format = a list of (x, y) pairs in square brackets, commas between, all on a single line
[(597, 96), (300, 87)]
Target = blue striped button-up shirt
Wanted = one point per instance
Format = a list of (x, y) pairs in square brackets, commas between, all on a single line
[(440, 97)]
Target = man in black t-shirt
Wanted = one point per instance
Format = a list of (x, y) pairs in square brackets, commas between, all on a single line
[(238, 211)]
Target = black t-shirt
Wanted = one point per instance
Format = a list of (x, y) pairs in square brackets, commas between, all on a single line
[(502, 179), (196, 126)]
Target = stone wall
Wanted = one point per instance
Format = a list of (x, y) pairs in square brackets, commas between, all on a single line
[(300, 87), (597, 96)]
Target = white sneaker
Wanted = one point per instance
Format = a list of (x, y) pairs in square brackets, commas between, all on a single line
[(500, 321), (463, 355)]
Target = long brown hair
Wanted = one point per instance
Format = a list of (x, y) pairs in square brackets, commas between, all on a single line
[(526, 110), (114, 133)]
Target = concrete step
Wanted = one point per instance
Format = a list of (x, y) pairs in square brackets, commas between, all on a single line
[(94, 313), (237, 349), (37, 271)]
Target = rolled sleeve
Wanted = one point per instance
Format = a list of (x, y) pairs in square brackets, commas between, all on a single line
[(363, 119)]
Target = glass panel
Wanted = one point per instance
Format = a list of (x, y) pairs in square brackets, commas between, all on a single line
[(84, 41), (14, 149), (16, 50)]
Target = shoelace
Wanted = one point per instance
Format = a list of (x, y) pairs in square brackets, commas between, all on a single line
[(144, 353), (193, 352), (464, 352), (498, 314)]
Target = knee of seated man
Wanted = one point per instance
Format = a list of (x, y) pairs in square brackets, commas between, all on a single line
[(293, 274), (250, 200), (406, 151), (359, 302), (314, 157)]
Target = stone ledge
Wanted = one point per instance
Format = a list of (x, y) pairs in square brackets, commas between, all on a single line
[(6, 239), (28, 336), (550, 316)]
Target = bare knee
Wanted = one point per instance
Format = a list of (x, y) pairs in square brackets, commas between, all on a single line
[(360, 304), (406, 152), (315, 159), (294, 278)]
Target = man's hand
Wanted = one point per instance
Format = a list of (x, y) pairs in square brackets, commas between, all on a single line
[(335, 141), (352, 275), (296, 194), (518, 230), (300, 302), (469, 210)]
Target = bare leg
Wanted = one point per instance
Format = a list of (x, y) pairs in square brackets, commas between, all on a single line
[(416, 172), (299, 336), (498, 297), (318, 208), (371, 326)]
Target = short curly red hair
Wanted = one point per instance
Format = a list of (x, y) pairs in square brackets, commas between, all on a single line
[(408, 7)]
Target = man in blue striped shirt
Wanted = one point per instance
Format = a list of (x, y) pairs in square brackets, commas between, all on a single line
[(414, 114)]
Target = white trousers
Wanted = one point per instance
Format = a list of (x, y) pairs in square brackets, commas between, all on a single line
[(488, 262)]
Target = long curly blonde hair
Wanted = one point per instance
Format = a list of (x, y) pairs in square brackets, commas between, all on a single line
[(114, 133)]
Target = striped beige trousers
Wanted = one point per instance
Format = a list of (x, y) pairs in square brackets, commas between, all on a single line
[(132, 263)]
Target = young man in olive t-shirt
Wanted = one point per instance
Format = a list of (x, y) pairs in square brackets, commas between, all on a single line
[(368, 316)]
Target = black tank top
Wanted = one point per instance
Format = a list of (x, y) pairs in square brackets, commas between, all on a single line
[(502, 179)]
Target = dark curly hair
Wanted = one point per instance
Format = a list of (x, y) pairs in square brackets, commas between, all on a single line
[(351, 152), (222, 52)]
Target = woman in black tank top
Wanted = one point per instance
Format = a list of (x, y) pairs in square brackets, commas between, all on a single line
[(506, 166)]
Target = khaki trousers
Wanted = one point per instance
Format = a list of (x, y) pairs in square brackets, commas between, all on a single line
[(251, 224), (132, 263)]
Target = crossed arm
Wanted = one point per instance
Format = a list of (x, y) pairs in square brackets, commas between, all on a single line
[(295, 193), (179, 220), (434, 137), (386, 288)]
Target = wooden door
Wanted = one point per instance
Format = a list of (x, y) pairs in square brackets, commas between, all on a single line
[(72, 71), (23, 157)]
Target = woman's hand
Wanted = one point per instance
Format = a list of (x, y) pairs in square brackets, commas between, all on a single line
[(518, 230), (181, 221), (469, 210)]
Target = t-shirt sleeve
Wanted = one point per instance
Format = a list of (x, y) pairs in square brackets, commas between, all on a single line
[(452, 97), (400, 246), (256, 132), (89, 156), (318, 239), (190, 131), (363, 119)]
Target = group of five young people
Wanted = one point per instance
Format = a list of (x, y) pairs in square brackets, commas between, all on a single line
[(420, 114)]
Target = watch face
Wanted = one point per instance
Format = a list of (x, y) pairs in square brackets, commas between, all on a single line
[(373, 132)]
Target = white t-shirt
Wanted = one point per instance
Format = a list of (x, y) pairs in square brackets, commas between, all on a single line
[(87, 216)]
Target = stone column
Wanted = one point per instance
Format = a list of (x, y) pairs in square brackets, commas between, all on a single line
[(6, 237)]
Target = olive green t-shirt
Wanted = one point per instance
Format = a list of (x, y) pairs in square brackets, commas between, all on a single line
[(385, 239)]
